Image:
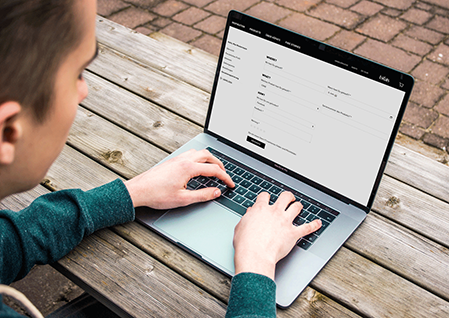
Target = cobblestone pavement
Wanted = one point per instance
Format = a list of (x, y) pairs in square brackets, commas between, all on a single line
[(410, 35)]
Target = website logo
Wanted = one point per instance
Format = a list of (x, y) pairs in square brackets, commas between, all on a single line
[(384, 78)]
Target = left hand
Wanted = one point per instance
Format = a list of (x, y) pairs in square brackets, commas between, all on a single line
[(164, 186)]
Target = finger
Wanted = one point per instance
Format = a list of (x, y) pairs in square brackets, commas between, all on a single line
[(294, 209), (204, 156), (284, 200), (308, 228), (263, 198), (210, 170), (202, 195)]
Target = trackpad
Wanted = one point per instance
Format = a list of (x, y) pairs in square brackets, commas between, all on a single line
[(207, 229)]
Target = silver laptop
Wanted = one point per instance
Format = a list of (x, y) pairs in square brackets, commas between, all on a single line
[(289, 113)]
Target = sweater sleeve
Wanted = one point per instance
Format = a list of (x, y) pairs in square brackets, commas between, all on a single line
[(55, 223), (252, 296)]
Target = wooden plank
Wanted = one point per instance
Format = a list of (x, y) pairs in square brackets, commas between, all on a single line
[(402, 251), (20, 201), (155, 85), (310, 302), (125, 275), (172, 57), (116, 148), (74, 170), (414, 209), (427, 175), (374, 291), (152, 123)]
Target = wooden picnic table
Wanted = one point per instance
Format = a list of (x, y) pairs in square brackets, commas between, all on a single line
[(148, 95)]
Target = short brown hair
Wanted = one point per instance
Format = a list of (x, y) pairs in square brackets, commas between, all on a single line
[(35, 35)]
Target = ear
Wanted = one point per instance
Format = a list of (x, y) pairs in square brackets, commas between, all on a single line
[(10, 131)]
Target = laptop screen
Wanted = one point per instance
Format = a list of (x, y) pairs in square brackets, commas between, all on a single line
[(308, 108)]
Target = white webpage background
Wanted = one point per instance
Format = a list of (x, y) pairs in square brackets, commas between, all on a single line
[(321, 121)]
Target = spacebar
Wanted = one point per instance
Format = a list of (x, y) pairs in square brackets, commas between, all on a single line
[(231, 204)]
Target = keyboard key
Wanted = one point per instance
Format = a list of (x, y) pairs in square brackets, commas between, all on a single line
[(324, 225), (230, 166), (238, 199), (313, 209), (211, 183), (230, 194), (231, 205), (236, 179), (303, 213), (266, 185), (304, 244), (245, 183), (240, 190), (239, 171), (248, 175), (193, 184), (311, 237), (326, 216), (275, 190), (256, 180), (299, 221), (248, 203), (202, 179), (255, 188), (250, 195), (273, 198), (311, 217), (305, 204)]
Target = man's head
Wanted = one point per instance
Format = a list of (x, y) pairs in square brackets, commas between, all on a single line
[(44, 47)]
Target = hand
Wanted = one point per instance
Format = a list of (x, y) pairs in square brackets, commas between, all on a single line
[(265, 234), (164, 186)]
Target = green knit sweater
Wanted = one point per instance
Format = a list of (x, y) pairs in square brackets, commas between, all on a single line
[(57, 222)]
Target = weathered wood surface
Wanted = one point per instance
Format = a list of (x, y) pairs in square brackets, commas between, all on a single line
[(395, 265)]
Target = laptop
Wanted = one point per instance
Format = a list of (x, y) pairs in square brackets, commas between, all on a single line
[(289, 113)]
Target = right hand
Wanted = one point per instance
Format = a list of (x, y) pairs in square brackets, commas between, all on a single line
[(266, 234)]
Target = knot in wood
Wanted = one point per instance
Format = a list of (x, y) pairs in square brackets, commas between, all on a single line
[(158, 124), (113, 156), (393, 202)]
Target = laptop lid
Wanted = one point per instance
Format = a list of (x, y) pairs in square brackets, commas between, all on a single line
[(318, 113)]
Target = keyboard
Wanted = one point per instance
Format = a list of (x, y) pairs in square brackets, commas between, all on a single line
[(249, 183)]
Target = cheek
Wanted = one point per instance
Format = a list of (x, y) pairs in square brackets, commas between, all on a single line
[(82, 90)]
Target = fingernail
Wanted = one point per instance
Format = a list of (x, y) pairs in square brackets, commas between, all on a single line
[(217, 193)]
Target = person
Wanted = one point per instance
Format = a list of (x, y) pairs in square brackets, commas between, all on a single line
[(45, 46)]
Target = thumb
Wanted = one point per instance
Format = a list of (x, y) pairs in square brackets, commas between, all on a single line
[(202, 195)]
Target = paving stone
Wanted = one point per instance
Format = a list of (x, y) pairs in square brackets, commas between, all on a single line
[(440, 54), (342, 3), (416, 16), (161, 23), (211, 25), (424, 34), (346, 40), (441, 3), (412, 45), (397, 4), (423, 6), (145, 4), (208, 43), (439, 24), (309, 26), (132, 17), (169, 8), (298, 5), (191, 16), (411, 130), (426, 94), (268, 11), (198, 3), (446, 84), (145, 30), (367, 8), (388, 55), (108, 7), (181, 32), (392, 12), (382, 27), (222, 7), (421, 116), (342, 17), (435, 141), (443, 106), (441, 127), (430, 72)]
